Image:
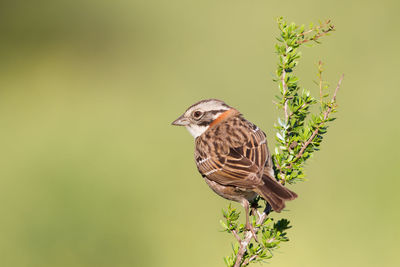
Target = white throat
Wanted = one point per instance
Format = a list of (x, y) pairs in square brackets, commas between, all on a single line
[(196, 130)]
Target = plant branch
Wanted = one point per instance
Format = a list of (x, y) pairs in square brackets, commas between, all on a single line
[(320, 31), (321, 82), (337, 88), (235, 234), (245, 242), (315, 132), (247, 261)]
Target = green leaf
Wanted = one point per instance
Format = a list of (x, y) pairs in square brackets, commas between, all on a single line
[(223, 224)]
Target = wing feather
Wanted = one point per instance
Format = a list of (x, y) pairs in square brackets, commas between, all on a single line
[(242, 164)]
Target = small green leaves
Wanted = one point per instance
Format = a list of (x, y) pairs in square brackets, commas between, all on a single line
[(299, 134), (270, 235), (230, 260), (231, 219)]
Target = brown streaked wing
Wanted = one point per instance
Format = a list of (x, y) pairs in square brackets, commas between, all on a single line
[(237, 172), (242, 166)]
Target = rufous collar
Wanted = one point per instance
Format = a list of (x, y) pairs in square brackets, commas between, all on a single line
[(227, 114)]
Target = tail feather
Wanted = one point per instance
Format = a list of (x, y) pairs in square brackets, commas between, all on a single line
[(275, 193)]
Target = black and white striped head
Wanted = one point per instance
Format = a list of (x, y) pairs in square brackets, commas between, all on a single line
[(198, 117)]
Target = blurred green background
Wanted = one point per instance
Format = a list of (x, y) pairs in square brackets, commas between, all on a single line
[(92, 173)]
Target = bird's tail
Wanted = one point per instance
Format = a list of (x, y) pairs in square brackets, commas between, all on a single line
[(275, 193)]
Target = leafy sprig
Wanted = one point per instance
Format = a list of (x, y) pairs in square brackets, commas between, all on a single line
[(269, 236), (299, 135), (299, 132)]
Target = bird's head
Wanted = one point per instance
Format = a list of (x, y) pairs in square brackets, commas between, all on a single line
[(200, 116)]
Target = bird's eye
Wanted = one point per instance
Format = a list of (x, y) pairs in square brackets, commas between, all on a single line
[(197, 114)]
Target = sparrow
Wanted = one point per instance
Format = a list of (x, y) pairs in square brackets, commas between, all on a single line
[(232, 155)]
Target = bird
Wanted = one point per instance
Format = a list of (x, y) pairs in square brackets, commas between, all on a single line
[(232, 155)]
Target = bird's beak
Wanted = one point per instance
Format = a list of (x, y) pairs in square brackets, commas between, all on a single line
[(181, 121)]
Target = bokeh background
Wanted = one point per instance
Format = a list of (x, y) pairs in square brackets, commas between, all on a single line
[(92, 173)]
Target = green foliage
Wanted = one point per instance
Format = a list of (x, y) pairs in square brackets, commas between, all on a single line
[(269, 235), (299, 135), (299, 132)]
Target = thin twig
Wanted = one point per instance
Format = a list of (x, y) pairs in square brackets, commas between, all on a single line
[(235, 234), (333, 101), (313, 29), (246, 241), (249, 260), (318, 35), (320, 79), (326, 115), (337, 87)]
